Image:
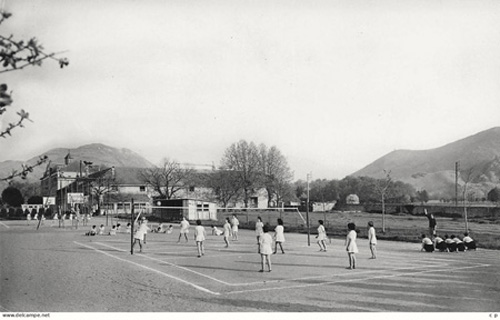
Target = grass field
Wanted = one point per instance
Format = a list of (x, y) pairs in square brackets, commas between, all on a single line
[(401, 227)]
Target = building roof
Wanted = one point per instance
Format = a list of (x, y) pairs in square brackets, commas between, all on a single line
[(128, 175)]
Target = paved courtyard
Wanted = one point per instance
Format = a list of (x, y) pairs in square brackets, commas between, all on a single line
[(61, 270)]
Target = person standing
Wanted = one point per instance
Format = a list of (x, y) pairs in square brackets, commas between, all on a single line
[(234, 227), (199, 236), (265, 248), (144, 229), (351, 246), (259, 230), (227, 232), (139, 237), (321, 236), (279, 236), (184, 229), (432, 223), (372, 240)]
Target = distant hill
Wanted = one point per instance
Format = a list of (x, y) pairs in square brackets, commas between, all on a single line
[(434, 169), (99, 154)]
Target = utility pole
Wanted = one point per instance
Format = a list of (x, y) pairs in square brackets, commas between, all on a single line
[(307, 212), (457, 169), (382, 188), (132, 227)]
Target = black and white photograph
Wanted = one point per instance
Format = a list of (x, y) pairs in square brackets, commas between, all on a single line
[(259, 158)]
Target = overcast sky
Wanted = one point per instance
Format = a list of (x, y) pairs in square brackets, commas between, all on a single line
[(333, 84)]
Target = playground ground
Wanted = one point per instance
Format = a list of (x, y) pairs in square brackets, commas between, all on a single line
[(60, 270)]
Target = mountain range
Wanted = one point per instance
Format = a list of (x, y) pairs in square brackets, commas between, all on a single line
[(97, 153), (432, 170)]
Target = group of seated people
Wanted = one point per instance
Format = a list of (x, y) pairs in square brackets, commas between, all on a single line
[(102, 230), (448, 244), (161, 229), (117, 228)]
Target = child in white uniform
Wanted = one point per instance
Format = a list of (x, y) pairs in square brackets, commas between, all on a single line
[(265, 249), (184, 229), (216, 231), (259, 231), (227, 232), (234, 227), (321, 236), (427, 244), (101, 230), (170, 229), (139, 235), (351, 246), (468, 242), (92, 232), (372, 239), (279, 236), (439, 244), (199, 237)]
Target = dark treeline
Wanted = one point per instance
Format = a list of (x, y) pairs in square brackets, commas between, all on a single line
[(365, 188)]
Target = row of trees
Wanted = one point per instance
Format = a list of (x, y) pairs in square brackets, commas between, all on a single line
[(366, 188), (245, 168), (272, 174)]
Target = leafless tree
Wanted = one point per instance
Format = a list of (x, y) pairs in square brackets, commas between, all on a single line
[(276, 174), (101, 183), (167, 179), (225, 185), (243, 158)]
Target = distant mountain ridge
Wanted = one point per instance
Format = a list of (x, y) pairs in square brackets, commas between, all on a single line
[(434, 169), (97, 153)]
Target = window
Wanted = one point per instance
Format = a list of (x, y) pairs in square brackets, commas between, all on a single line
[(191, 188), (254, 202), (142, 188), (202, 207)]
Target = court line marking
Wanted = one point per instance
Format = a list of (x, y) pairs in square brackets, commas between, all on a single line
[(407, 303), (333, 276), (255, 282), (270, 281), (245, 283), (227, 252), (171, 264), (3, 309), (151, 269), (344, 280), (428, 280), (3, 224), (437, 264)]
